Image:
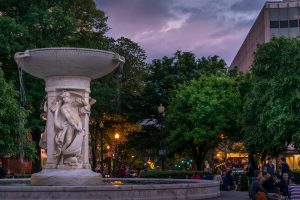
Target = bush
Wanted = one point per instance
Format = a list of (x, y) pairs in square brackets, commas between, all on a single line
[(175, 174), (295, 177), (22, 175)]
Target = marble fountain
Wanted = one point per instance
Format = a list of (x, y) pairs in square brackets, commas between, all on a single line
[(67, 173)]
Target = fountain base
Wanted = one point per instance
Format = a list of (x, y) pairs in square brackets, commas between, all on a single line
[(66, 177)]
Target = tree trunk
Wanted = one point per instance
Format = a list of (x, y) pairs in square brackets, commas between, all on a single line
[(36, 162), (199, 153), (2, 161)]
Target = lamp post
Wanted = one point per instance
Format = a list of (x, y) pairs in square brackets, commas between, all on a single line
[(108, 156), (162, 151), (101, 125), (117, 137)]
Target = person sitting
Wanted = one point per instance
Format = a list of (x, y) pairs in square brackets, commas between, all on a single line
[(218, 177), (2, 172), (256, 190), (284, 167), (269, 167), (196, 175), (269, 184), (228, 181), (283, 185)]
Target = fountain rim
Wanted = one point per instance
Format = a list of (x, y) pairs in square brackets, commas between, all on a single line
[(56, 56), (171, 183), (181, 189), (65, 48)]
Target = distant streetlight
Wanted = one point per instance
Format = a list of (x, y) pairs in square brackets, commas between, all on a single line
[(162, 152), (117, 137), (108, 157), (161, 109), (101, 125)]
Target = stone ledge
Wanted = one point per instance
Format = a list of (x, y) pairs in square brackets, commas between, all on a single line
[(169, 189)]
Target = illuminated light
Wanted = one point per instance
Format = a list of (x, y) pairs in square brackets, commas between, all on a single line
[(132, 156), (152, 166), (116, 183), (107, 147), (117, 136)]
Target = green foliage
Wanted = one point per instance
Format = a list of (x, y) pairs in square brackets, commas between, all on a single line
[(12, 118), (271, 115), (295, 177), (60, 23), (165, 76), (198, 113)]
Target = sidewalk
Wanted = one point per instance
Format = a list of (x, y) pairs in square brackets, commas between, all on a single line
[(233, 195)]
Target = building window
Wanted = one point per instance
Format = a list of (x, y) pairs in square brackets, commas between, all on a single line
[(293, 13), (274, 32), (294, 32), (274, 24), (274, 14), (293, 23), (283, 32), (283, 14), (284, 24)]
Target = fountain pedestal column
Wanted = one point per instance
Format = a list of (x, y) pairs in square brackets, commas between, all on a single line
[(57, 170)]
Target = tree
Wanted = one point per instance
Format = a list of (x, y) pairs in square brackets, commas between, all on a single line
[(13, 134), (271, 112), (199, 113), (165, 76), (162, 78), (38, 24), (119, 94)]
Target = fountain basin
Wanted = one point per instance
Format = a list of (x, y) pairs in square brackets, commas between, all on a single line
[(48, 62), (113, 188)]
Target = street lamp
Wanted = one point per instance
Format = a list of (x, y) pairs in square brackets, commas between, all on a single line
[(108, 156), (101, 125), (162, 151), (117, 137)]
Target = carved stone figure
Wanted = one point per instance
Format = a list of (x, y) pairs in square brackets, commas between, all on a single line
[(68, 109), (43, 140)]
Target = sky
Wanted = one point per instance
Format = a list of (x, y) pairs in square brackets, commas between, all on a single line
[(161, 27)]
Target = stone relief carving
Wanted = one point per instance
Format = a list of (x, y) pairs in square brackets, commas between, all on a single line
[(68, 109), (43, 140)]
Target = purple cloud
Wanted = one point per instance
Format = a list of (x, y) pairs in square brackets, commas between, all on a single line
[(161, 27)]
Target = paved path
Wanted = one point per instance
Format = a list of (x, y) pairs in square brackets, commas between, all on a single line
[(233, 195)]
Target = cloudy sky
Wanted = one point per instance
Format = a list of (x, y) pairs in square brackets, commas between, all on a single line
[(204, 27)]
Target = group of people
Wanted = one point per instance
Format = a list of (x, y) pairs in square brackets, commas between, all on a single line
[(265, 184)]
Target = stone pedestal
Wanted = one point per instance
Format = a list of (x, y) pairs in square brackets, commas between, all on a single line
[(56, 172), (66, 177)]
